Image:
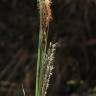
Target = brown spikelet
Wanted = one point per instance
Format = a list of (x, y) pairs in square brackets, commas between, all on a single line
[(47, 16), (45, 11)]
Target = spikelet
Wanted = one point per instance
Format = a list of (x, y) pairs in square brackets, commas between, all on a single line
[(45, 16), (47, 69), (45, 11)]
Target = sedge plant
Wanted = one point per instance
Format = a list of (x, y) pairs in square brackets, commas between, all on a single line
[(45, 58)]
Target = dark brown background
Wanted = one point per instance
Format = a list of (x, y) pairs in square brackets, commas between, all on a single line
[(73, 27)]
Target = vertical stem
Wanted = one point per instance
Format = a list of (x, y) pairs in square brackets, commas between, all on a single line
[(37, 90)]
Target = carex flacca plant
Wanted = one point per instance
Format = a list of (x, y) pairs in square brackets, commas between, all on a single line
[(45, 61)]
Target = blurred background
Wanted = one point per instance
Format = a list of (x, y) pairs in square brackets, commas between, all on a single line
[(73, 27)]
